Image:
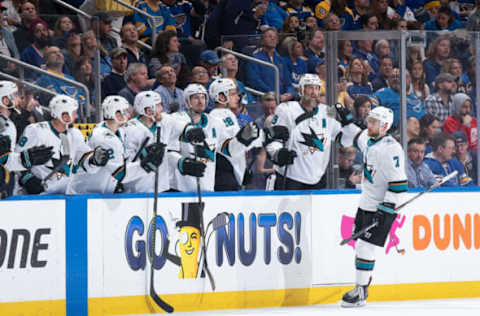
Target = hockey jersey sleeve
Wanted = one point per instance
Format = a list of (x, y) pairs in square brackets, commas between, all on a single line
[(280, 118), (352, 135), (81, 152), (393, 169)]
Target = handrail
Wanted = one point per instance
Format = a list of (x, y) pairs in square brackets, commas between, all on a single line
[(50, 74), (145, 14), (26, 83), (258, 61), (254, 92), (71, 7)]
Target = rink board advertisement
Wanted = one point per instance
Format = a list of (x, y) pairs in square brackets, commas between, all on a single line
[(256, 243), (32, 257), (436, 238)]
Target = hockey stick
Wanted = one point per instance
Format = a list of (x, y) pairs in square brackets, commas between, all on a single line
[(144, 143), (203, 255), (65, 157), (161, 303), (367, 228)]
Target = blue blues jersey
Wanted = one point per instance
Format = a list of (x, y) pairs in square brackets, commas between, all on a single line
[(441, 170), (162, 17)]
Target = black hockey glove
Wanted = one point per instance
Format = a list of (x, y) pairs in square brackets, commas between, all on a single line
[(202, 151), (190, 167), (248, 134), (99, 157), (385, 215), (277, 132), (31, 183), (346, 117), (153, 157), (35, 156), (194, 134), (284, 157), (5, 144)]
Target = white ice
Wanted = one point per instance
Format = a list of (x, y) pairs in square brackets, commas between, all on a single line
[(445, 307)]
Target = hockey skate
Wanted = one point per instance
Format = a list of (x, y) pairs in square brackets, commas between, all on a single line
[(356, 297)]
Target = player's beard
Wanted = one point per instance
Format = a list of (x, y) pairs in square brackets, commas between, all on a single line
[(310, 101), (373, 134)]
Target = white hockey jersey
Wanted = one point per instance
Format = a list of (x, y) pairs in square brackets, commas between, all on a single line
[(218, 139), (135, 134), (384, 170), (12, 160), (310, 137), (117, 169), (43, 133)]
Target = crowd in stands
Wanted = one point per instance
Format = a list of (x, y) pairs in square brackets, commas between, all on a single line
[(440, 75)]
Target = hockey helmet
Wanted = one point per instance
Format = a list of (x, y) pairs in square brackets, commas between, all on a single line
[(60, 104), (308, 80), (113, 104), (147, 99), (192, 89), (384, 116), (8, 89), (221, 85)]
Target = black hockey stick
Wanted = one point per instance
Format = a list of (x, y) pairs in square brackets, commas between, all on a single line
[(161, 303), (64, 158), (144, 143), (433, 186), (202, 232)]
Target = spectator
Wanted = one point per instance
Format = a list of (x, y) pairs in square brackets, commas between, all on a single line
[(229, 69), (358, 79), (136, 77), (183, 12), (361, 108), (264, 173), (209, 59), (7, 48), (28, 111), (380, 8), (166, 49), (290, 25), (115, 81), (295, 61), (89, 49), (413, 127), (23, 33), (268, 104), (317, 66), (363, 49), (462, 120), (260, 77), (418, 173), (390, 98), (443, 21), (102, 26), (34, 53), (454, 67), (473, 24), (339, 15), (331, 22), (359, 8), (467, 157), (442, 161), (345, 54), (296, 8), (429, 127), (316, 45), (351, 176), (63, 27), (72, 51), (437, 52), (200, 75), (167, 77), (419, 86), (55, 61), (385, 71), (129, 36), (274, 15), (311, 24), (369, 22), (381, 50), (440, 103), (161, 13)]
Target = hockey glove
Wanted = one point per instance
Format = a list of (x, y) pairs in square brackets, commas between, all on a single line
[(202, 151), (31, 183), (153, 157), (276, 133), (383, 215), (284, 157), (190, 167), (248, 134), (346, 117), (194, 134), (35, 156), (5, 144), (99, 157)]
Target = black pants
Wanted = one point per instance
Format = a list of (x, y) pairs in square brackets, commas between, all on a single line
[(378, 234), (291, 184), (224, 177)]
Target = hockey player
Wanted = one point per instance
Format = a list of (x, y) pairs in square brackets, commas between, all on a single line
[(111, 136), (193, 154), (81, 158), (16, 161), (311, 131), (150, 121), (384, 181), (230, 171)]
